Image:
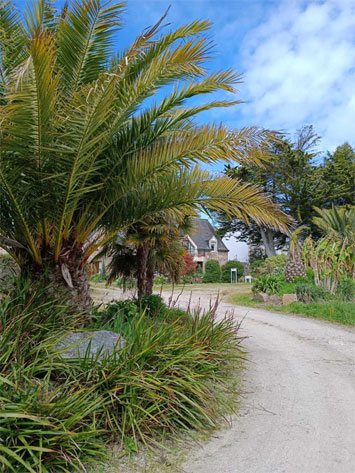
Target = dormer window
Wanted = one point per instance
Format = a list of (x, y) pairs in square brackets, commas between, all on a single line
[(213, 244)]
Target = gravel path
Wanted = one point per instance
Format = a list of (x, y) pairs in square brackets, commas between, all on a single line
[(298, 411)]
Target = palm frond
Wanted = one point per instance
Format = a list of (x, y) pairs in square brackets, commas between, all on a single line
[(85, 40)]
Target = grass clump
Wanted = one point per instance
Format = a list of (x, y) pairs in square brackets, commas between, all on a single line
[(59, 414), (332, 310)]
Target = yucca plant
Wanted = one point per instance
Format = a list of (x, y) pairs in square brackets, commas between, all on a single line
[(83, 154)]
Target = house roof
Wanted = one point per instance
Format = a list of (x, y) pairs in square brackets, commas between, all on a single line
[(203, 234)]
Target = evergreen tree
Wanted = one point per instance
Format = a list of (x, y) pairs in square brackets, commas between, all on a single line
[(291, 178), (337, 177)]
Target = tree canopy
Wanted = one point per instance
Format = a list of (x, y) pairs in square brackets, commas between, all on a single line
[(88, 147), (298, 183)]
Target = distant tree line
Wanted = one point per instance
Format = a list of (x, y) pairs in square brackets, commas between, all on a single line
[(298, 180)]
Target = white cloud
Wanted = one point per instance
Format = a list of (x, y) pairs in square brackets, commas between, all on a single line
[(300, 69)]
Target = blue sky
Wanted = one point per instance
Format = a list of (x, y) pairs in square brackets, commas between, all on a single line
[(297, 58)]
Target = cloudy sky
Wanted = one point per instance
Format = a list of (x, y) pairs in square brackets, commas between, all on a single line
[(297, 58)]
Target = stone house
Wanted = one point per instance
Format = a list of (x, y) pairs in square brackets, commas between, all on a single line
[(205, 244)]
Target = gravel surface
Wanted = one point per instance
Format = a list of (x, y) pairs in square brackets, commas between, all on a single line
[(298, 411)]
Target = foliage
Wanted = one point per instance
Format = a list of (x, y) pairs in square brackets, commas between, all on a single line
[(153, 305), (346, 290), (190, 266), (298, 185), (212, 272), (272, 265), (44, 426), (90, 144), (57, 414), (95, 277), (256, 253), (226, 274), (308, 292), (336, 177), (331, 260), (337, 223), (268, 283), (290, 177), (334, 311), (160, 281)]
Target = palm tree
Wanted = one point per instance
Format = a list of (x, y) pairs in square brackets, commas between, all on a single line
[(155, 245), (337, 222), (295, 266), (87, 147)]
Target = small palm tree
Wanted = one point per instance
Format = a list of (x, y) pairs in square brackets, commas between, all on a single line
[(87, 146), (295, 266), (337, 222), (147, 248)]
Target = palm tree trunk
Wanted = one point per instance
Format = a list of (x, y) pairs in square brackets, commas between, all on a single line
[(142, 272), (67, 281), (150, 280)]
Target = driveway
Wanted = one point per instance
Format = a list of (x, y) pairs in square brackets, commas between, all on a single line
[(298, 409)]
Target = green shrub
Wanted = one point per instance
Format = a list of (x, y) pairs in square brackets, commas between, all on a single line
[(256, 264), (171, 374), (273, 265), (44, 425), (270, 283), (226, 270), (346, 290), (96, 277), (286, 288), (307, 292), (152, 304), (160, 281), (58, 413), (212, 272)]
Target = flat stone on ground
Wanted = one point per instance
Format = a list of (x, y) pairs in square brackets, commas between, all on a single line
[(77, 344)]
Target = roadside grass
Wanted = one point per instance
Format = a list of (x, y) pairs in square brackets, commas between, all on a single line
[(333, 311)]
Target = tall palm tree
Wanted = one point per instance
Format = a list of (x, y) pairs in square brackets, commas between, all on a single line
[(88, 147)]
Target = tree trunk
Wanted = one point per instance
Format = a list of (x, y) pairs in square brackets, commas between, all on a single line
[(142, 273), (67, 281), (150, 280), (268, 241)]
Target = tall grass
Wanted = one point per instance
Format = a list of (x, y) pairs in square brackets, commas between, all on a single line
[(57, 414)]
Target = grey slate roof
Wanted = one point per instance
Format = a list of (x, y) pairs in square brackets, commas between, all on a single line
[(203, 233)]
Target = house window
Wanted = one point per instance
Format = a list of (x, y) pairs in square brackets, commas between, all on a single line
[(213, 246), (190, 248)]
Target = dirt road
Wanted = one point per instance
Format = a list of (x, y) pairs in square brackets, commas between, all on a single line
[(298, 411)]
